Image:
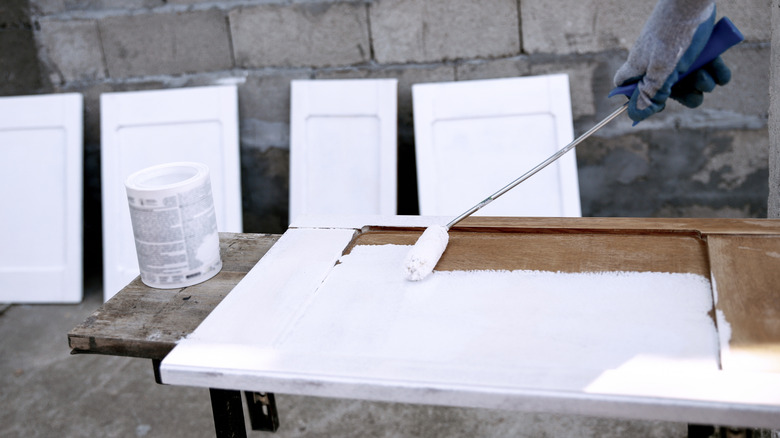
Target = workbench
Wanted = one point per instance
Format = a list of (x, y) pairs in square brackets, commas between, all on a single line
[(146, 323), (743, 255)]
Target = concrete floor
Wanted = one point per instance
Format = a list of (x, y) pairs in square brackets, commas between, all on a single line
[(46, 392)]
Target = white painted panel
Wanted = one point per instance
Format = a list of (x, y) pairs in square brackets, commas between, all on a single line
[(472, 138), (358, 222), (41, 145), (144, 128), (343, 147), (643, 347)]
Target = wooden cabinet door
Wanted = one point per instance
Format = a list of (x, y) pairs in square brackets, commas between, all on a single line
[(145, 128), (41, 185), (472, 138), (343, 147)]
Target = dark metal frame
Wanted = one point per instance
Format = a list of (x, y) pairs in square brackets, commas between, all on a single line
[(228, 409)]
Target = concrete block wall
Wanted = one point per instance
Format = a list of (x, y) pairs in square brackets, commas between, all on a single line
[(706, 162), (774, 117), (18, 56)]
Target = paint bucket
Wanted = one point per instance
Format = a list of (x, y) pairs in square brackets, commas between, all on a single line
[(174, 224)]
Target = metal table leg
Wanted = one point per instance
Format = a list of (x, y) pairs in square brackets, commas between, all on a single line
[(262, 411), (228, 413), (228, 410)]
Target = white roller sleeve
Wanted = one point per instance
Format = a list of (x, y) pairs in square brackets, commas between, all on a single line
[(424, 255)]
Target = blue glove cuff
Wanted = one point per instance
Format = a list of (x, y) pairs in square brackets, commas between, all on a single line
[(699, 40)]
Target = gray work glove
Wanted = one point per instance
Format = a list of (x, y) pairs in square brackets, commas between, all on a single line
[(672, 38)]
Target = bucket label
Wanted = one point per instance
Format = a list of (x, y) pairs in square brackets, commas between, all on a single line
[(176, 236)]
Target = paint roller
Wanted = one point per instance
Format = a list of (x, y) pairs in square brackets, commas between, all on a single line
[(426, 252)]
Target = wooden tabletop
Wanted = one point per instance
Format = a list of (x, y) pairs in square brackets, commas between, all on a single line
[(144, 322)]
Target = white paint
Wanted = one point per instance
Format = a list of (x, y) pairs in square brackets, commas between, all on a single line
[(724, 328), (41, 146), (277, 287), (538, 320), (474, 137), (343, 147), (301, 324), (140, 129), (724, 332), (425, 253)]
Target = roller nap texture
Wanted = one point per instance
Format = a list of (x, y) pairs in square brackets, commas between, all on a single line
[(425, 253)]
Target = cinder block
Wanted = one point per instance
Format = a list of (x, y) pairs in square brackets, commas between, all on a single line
[(48, 7), (264, 109), (705, 211), (265, 176), (581, 76), (436, 30), (494, 68), (774, 118), (19, 69), (748, 91), (72, 50), (676, 173), (166, 44), (741, 104), (752, 17), (197, 2), (266, 96), (576, 26), (300, 35), (731, 164)]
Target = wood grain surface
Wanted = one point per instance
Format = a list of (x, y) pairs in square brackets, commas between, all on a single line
[(584, 251), (611, 224), (144, 322), (746, 270)]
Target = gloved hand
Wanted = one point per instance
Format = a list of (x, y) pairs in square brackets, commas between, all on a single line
[(670, 42)]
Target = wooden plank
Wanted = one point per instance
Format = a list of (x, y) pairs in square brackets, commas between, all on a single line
[(144, 322), (562, 251), (746, 270), (701, 226), (619, 224)]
